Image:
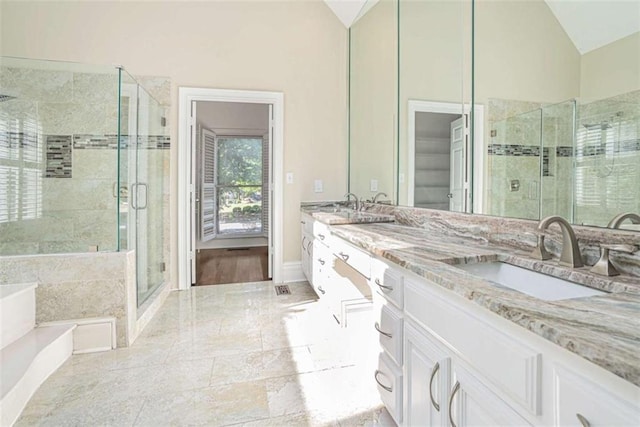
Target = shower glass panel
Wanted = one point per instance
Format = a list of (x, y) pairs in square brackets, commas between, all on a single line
[(513, 162), (607, 159), (556, 190), (58, 157), (142, 166)]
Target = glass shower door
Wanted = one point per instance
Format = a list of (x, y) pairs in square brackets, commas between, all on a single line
[(142, 163)]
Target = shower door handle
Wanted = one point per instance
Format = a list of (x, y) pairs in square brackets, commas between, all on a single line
[(134, 196)]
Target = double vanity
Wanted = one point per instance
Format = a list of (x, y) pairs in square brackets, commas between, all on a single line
[(473, 330)]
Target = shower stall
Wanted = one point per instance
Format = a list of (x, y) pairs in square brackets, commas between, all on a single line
[(577, 160), (83, 165)]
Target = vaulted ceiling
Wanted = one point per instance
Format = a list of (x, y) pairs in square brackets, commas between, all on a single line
[(590, 24)]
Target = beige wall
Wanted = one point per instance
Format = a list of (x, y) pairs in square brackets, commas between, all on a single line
[(522, 53), (611, 70), (296, 47)]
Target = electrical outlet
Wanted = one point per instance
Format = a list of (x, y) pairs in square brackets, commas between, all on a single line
[(374, 185), (289, 177), (317, 186)]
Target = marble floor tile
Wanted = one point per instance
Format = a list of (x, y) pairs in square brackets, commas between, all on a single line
[(223, 355), (221, 405)]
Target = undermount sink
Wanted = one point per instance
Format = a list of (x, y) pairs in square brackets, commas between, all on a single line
[(529, 282)]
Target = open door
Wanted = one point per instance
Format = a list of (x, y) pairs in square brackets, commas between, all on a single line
[(456, 193), (269, 190), (193, 199)]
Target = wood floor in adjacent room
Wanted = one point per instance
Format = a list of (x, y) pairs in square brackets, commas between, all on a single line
[(222, 266)]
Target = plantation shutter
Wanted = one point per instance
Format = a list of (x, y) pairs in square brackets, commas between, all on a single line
[(208, 201)]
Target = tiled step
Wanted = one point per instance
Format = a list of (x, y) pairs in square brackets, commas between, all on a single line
[(27, 362), (17, 311)]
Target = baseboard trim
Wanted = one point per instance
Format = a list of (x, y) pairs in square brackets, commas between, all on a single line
[(292, 272)]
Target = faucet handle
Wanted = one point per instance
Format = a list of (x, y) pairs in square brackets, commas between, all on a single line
[(604, 266), (540, 252)]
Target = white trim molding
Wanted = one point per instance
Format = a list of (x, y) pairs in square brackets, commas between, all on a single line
[(415, 106), (293, 272), (186, 95)]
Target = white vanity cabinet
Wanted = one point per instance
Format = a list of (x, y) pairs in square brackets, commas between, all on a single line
[(447, 361), (427, 381)]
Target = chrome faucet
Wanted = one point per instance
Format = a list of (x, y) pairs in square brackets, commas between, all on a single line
[(570, 255), (375, 198), (356, 200), (619, 219)]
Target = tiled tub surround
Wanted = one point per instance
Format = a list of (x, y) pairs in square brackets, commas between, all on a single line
[(604, 330), (77, 286)]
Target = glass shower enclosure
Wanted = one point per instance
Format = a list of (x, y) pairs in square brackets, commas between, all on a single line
[(83, 163)]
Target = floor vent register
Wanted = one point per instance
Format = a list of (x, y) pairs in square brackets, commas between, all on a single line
[(282, 290)]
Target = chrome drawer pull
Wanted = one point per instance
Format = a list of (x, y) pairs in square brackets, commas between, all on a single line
[(344, 256), (322, 291), (386, 334), (456, 387), (321, 261), (435, 370), (583, 421), (389, 288), (389, 389), (321, 236)]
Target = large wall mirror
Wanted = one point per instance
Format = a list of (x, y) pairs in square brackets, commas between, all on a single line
[(556, 106)]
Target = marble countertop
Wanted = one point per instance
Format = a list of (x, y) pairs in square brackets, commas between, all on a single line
[(335, 213), (602, 329)]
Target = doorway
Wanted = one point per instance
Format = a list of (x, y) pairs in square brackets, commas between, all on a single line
[(444, 164), (236, 214), (233, 207)]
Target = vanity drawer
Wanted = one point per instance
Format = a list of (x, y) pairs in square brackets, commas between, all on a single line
[(510, 364), (306, 222), (356, 258), (321, 232), (388, 323), (389, 381), (387, 282)]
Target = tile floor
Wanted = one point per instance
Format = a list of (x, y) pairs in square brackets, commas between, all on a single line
[(223, 355)]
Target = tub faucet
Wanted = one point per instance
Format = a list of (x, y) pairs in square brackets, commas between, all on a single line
[(356, 203), (570, 255), (619, 219)]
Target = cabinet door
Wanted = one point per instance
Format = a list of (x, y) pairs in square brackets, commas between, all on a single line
[(426, 373), (580, 402), (471, 403)]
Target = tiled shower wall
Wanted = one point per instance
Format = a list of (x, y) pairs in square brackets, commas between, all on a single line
[(608, 159), (58, 159), (603, 181)]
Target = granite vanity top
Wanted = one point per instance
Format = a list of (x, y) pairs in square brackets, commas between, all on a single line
[(335, 213), (603, 329)]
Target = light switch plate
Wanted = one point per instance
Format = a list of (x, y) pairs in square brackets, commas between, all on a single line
[(401, 177), (289, 177), (317, 186), (374, 185)]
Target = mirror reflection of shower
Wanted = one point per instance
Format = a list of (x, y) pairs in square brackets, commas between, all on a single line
[(602, 141)]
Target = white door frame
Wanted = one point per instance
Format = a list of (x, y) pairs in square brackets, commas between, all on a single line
[(416, 106), (186, 95)]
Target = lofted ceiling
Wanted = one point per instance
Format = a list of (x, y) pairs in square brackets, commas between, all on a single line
[(590, 24)]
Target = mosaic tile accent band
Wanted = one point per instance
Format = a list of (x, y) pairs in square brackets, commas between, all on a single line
[(628, 146), (526, 150), (148, 142), (58, 156)]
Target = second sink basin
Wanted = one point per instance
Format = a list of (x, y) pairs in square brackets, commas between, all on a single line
[(529, 282)]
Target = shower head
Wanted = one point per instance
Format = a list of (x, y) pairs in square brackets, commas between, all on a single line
[(6, 97)]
